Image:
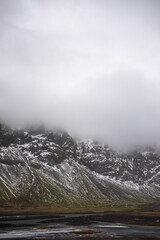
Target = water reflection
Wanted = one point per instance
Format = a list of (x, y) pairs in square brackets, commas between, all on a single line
[(62, 226)]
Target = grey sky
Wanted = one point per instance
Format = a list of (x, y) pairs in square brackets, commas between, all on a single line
[(90, 66)]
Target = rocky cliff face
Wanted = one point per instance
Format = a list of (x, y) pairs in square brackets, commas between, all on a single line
[(139, 168), (51, 167)]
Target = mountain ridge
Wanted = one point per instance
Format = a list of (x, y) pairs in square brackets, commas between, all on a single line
[(50, 167)]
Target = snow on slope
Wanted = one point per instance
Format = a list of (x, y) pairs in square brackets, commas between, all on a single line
[(47, 167)]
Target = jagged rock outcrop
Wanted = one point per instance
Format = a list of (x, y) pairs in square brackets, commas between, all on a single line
[(51, 167)]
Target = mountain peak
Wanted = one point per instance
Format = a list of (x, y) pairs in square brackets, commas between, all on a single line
[(39, 165)]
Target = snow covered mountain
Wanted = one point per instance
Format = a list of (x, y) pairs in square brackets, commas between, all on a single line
[(51, 167)]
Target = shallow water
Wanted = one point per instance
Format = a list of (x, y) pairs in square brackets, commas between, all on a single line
[(60, 226)]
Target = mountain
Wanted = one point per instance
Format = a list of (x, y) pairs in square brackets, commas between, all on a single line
[(50, 167)]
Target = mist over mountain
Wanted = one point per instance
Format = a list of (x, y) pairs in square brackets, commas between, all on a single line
[(43, 168), (89, 67)]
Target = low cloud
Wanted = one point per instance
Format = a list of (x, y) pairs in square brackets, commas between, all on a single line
[(91, 67)]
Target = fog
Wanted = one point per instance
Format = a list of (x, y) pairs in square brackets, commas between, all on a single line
[(91, 67)]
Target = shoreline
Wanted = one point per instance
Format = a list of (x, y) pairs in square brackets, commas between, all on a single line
[(127, 217)]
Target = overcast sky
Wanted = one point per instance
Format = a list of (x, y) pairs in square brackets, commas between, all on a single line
[(91, 67)]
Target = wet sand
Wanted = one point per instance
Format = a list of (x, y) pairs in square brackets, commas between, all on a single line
[(110, 225)]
